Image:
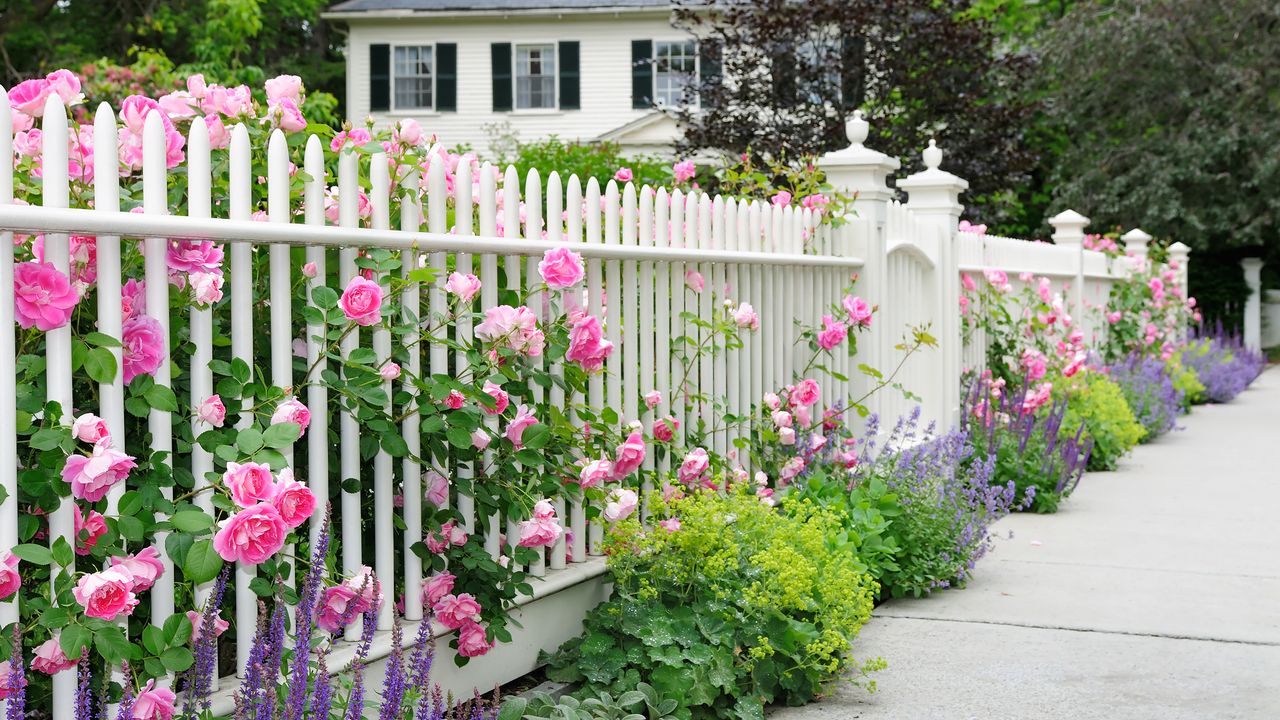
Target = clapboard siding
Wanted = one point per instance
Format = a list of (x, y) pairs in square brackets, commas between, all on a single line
[(605, 69)]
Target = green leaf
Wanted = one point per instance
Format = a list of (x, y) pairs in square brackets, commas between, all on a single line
[(324, 297), (281, 435), (62, 552), (202, 563), (130, 528), (112, 644), (73, 640), (459, 437), (395, 445), (192, 521), (153, 640), (249, 440), (34, 554), (98, 339), (536, 436), (362, 356), (177, 630), (48, 438), (100, 364), (262, 587), (162, 398), (177, 659)]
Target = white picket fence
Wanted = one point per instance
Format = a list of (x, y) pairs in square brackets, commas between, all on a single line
[(638, 242)]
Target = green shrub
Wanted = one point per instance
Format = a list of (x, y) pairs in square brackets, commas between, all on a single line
[(1186, 381), (599, 160), (1098, 402), (740, 607)]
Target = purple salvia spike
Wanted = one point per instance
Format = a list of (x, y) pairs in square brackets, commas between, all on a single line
[(393, 685), (84, 689), (304, 625), (126, 698), (16, 681)]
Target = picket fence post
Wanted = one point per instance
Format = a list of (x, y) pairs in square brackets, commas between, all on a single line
[(864, 171), (1253, 305), (933, 198), (1135, 244), (1179, 261), (1068, 231)]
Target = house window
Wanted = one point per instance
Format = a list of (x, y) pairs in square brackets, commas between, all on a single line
[(535, 77), (675, 65), (413, 79)]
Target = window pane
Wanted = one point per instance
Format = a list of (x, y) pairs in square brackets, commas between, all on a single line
[(535, 76), (675, 68), (412, 74)]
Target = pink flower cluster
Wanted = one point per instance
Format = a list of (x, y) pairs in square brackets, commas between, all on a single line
[(543, 528), (341, 604), (271, 508)]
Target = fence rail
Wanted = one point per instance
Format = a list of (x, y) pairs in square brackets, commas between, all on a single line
[(640, 245)]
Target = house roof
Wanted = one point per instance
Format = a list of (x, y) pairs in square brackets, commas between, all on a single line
[(373, 6)]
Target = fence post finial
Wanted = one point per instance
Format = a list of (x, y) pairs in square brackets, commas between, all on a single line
[(1068, 228), (861, 170), (1135, 243)]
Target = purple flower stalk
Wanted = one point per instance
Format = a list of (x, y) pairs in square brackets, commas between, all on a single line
[(304, 624), (16, 681), (1149, 390)]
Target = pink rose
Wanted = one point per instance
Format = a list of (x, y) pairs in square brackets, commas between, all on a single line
[(178, 105), (251, 535), (292, 411), (357, 137), (294, 501), (480, 439), (515, 431), (454, 610), (587, 345), (781, 199), (88, 529), (143, 346), (665, 429), (683, 171), (787, 436), (133, 298), (561, 268), (629, 456), (309, 270), (436, 587), (106, 595), (389, 372), (361, 302), (463, 286), (858, 309), (694, 280), (746, 317), (284, 87), (219, 625), (815, 202), (219, 135), (28, 97), (144, 568), (543, 528), (1037, 398), (50, 659), (652, 398), (966, 280), (206, 288), (500, 398), (670, 524), (10, 578), (196, 86), (772, 401), (595, 473), (90, 428), (212, 411), (231, 102), (472, 641), (133, 113), (623, 175), (791, 469), (619, 504), (805, 393), (91, 477), (250, 483), (514, 328), (694, 466), (437, 488), (833, 333), (998, 279), (286, 115), (42, 296), (1034, 364), (409, 132), (781, 418), (455, 400), (153, 703), (368, 591), (336, 608)]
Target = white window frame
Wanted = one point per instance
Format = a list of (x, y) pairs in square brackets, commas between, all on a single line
[(434, 77), (694, 79), (555, 76)]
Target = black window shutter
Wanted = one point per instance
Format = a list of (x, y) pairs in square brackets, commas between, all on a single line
[(500, 57), (852, 72), (446, 77), (641, 74), (785, 92), (379, 77), (710, 54), (570, 76)]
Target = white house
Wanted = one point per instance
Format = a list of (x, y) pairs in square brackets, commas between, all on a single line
[(576, 69)]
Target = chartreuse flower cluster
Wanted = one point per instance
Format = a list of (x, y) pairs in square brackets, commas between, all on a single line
[(739, 607)]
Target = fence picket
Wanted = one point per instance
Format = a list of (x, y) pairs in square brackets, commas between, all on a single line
[(8, 340), (349, 427)]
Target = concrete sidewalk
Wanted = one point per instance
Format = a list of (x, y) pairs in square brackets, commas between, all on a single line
[(1153, 593)]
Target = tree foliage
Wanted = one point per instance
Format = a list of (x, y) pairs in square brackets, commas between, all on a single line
[(1172, 116), (791, 73), (241, 39)]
